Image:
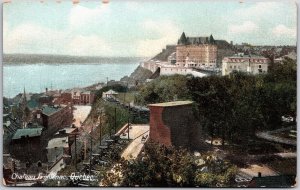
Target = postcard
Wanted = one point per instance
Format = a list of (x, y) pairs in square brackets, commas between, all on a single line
[(149, 94)]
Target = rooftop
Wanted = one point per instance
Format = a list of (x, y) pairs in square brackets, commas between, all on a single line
[(171, 104), (32, 104), (248, 56), (49, 110), (68, 130), (30, 132), (58, 142), (110, 92)]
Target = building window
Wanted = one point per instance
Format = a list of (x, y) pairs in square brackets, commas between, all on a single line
[(259, 66), (230, 67)]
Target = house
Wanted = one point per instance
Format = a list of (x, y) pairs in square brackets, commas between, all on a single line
[(245, 63), (109, 94), (76, 96), (87, 97)]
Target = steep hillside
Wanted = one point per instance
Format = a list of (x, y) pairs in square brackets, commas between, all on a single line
[(163, 56), (139, 75)]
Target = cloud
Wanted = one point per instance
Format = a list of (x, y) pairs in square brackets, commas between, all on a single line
[(257, 11), (162, 32), (88, 45), (245, 27), (5, 28), (133, 6), (81, 16), (283, 31), (32, 38), (29, 37)]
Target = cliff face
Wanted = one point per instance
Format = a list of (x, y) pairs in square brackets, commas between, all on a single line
[(163, 56), (139, 75)]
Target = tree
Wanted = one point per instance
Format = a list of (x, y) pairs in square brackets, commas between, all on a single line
[(163, 89), (161, 166), (235, 107)]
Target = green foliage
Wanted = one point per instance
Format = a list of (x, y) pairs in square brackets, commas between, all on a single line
[(163, 89), (160, 166), (115, 115), (234, 107)]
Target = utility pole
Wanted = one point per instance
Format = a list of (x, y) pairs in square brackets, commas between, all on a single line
[(115, 120), (75, 153), (100, 125), (91, 155), (128, 124), (14, 171), (75, 141), (125, 92)]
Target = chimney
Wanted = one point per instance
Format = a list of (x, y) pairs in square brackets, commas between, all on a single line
[(46, 91), (259, 174)]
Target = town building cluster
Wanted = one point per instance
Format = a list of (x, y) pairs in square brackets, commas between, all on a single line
[(39, 130), (204, 56)]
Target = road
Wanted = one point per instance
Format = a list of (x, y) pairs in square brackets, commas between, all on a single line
[(269, 135)]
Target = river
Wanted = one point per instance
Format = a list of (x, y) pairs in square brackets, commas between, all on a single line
[(36, 77)]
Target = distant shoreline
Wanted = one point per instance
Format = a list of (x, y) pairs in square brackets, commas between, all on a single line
[(57, 64), (9, 59)]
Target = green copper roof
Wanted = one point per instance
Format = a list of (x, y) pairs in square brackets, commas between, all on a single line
[(170, 104), (32, 104), (49, 110), (30, 132)]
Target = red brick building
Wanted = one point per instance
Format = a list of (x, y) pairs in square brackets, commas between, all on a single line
[(173, 123), (56, 117)]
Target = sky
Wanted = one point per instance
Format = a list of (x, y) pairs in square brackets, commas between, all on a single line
[(140, 28)]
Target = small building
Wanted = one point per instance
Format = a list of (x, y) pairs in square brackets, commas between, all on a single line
[(167, 70), (109, 94), (62, 146), (57, 147), (45, 99), (173, 123), (87, 97), (76, 96), (248, 64)]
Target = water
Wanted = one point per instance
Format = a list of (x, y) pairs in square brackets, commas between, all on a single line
[(36, 77)]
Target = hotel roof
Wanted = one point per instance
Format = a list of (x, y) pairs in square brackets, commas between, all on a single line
[(30, 132), (171, 104)]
